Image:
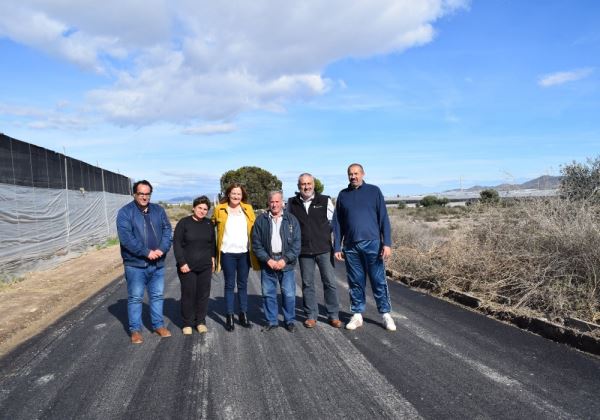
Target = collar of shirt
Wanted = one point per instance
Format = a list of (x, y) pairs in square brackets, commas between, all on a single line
[(271, 217), (307, 200), (144, 210)]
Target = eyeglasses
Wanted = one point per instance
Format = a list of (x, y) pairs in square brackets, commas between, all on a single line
[(143, 194)]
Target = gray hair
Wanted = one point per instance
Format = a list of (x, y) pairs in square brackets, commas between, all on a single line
[(302, 175), (272, 193)]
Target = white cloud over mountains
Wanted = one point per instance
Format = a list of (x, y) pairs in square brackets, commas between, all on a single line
[(185, 61)]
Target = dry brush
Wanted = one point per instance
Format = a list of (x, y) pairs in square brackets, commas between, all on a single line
[(539, 255)]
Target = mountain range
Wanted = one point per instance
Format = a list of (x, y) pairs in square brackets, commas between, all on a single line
[(544, 182)]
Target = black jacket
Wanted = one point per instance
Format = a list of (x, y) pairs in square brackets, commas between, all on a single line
[(314, 225)]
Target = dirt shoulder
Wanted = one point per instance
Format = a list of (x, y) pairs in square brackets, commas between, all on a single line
[(31, 305)]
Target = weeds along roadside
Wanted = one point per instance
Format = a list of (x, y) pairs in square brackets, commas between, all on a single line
[(176, 212), (537, 256)]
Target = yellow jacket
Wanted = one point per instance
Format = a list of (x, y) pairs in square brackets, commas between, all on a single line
[(219, 219)]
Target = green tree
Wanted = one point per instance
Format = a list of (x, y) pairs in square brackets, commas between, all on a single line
[(489, 196), (581, 181), (319, 187), (257, 181), (432, 200)]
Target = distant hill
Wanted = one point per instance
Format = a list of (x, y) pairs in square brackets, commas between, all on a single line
[(182, 199), (544, 182)]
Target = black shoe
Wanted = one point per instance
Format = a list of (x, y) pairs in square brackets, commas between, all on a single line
[(268, 328), (229, 326), (244, 320), (291, 327)]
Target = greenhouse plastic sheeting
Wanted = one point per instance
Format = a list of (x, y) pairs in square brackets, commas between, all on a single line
[(40, 225)]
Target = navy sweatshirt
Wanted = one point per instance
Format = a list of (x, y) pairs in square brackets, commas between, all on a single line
[(361, 215)]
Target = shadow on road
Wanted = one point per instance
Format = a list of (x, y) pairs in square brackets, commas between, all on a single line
[(171, 311), (216, 312)]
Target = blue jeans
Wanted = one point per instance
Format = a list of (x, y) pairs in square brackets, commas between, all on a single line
[(309, 298), (234, 264), (138, 279), (364, 258), (269, 280)]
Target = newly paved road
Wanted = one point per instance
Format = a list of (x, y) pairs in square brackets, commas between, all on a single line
[(443, 362)]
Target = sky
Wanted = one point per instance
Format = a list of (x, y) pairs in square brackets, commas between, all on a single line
[(428, 96)]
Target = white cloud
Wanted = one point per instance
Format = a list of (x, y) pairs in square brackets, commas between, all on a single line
[(42, 119), (561, 77), (210, 129), (187, 183), (184, 60), (60, 123)]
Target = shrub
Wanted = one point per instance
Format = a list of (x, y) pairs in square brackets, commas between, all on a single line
[(319, 187), (581, 181), (432, 200), (489, 196)]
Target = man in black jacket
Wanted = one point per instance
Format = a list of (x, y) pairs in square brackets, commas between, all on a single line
[(314, 212)]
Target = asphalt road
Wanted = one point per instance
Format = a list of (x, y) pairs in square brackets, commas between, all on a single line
[(443, 362)]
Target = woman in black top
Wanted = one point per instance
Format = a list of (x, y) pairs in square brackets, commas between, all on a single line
[(194, 246)]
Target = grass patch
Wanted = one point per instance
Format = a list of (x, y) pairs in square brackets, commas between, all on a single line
[(109, 242), (8, 280)]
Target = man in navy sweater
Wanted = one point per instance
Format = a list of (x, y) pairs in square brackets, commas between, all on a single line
[(362, 238)]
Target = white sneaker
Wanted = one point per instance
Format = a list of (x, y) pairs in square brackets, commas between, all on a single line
[(355, 322), (388, 322)]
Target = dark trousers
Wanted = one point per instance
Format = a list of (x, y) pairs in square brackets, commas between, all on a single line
[(195, 291), (236, 267)]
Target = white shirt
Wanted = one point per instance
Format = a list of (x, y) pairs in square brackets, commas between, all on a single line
[(235, 237), (330, 206), (276, 245)]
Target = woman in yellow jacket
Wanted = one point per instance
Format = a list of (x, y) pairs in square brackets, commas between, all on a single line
[(234, 219)]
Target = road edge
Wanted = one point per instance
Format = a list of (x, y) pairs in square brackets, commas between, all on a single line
[(556, 332)]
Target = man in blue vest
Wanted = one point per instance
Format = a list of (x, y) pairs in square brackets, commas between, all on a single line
[(145, 236), (314, 212), (363, 239)]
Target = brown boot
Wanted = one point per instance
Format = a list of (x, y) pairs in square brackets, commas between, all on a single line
[(136, 337), (163, 332)]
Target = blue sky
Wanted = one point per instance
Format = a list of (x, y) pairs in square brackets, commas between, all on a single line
[(426, 95)]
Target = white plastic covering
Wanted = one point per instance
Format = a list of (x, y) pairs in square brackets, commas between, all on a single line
[(39, 227)]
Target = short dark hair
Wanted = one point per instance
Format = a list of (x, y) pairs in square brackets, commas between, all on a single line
[(142, 182), (225, 198), (201, 200)]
